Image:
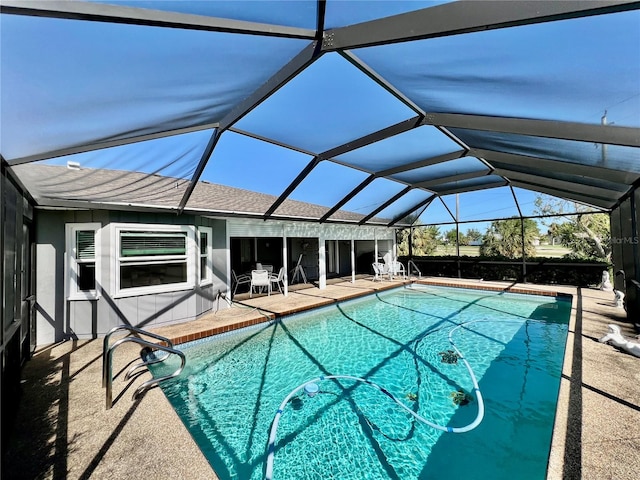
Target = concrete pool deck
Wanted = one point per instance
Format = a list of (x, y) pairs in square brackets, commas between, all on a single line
[(63, 431)]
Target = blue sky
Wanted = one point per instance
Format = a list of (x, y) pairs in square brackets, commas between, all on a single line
[(72, 82)]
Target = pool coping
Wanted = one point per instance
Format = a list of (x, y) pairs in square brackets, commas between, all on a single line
[(266, 316), (493, 288)]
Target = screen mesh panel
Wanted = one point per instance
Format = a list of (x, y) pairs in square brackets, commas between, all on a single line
[(415, 145), (614, 157), (299, 110), (570, 70), (317, 112), (436, 213), (114, 81), (443, 170)]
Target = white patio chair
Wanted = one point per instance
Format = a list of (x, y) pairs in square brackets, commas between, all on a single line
[(380, 269), (260, 279), (236, 280), (376, 271), (397, 268), (278, 279), (268, 268)]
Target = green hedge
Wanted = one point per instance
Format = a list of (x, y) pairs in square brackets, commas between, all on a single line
[(582, 273)]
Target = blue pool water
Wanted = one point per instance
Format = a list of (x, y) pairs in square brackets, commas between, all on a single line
[(233, 385)]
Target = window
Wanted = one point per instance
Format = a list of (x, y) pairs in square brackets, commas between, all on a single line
[(83, 244), (206, 264), (153, 258)]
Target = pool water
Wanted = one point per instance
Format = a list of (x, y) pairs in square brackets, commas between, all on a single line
[(233, 385)]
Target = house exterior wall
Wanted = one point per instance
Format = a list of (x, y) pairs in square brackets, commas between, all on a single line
[(50, 324), (59, 317), (364, 237), (253, 228)]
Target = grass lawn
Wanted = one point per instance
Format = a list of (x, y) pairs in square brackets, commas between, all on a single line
[(553, 251), (451, 250)]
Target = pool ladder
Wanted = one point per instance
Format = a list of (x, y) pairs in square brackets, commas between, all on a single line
[(148, 358), (413, 269)]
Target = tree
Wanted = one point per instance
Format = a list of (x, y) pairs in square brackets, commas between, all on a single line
[(587, 234), (402, 239), (424, 241), (504, 238), (451, 236), (474, 235)]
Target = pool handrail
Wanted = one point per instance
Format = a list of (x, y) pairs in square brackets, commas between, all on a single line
[(149, 383), (128, 328), (415, 268)]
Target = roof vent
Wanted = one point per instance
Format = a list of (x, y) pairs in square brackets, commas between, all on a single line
[(73, 165)]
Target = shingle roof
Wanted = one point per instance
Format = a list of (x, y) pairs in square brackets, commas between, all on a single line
[(112, 188)]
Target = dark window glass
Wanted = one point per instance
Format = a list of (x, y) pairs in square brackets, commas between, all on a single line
[(203, 268), (86, 277), (203, 243), (132, 276)]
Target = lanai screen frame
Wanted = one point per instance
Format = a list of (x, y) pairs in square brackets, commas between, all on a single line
[(457, 18)]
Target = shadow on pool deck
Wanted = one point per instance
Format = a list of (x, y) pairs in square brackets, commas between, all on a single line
[(62, 430)]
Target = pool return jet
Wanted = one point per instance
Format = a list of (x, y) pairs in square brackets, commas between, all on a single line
[(311, 389)]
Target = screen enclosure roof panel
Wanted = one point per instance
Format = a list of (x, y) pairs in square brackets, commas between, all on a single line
[(338, 111)]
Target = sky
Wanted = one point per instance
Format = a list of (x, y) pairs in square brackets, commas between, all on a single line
[(72, 82)]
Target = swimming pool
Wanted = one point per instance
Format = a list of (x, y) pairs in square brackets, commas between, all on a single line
[(234, 384)]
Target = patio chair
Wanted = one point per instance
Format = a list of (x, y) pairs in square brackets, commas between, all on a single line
[(278, 279), (380, 269), (236, 280), (260, 279), (261, 266), (397, 268)]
